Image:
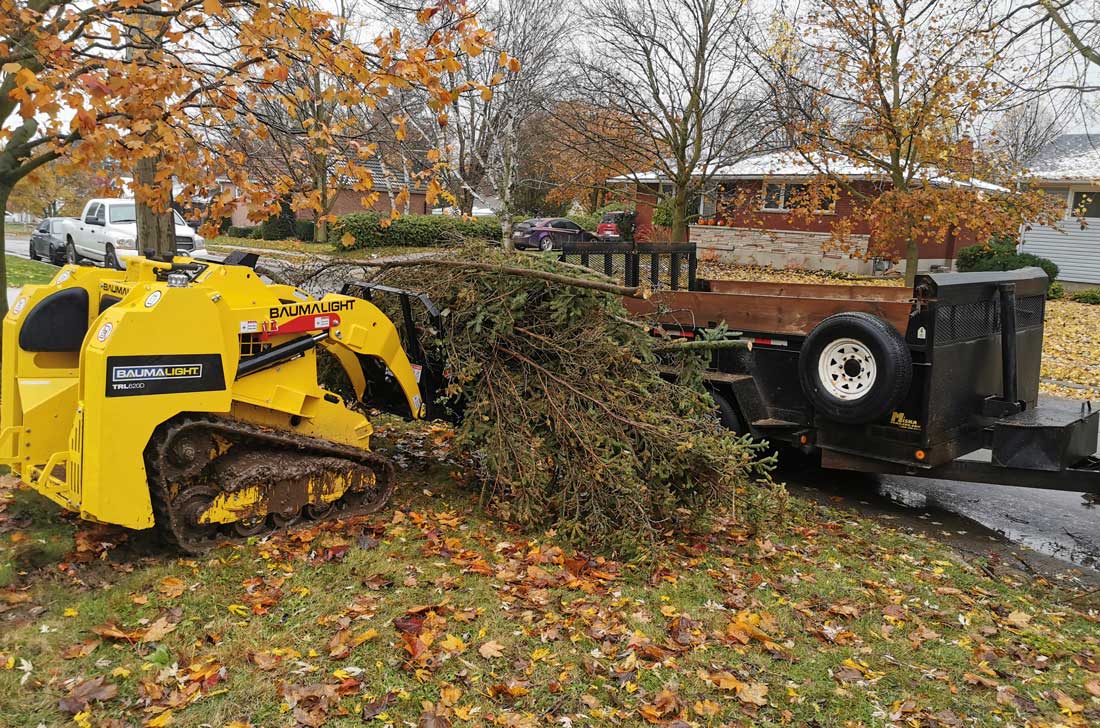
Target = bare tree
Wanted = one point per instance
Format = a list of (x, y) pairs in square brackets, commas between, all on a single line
[(904, 85), (1063, 39), (1024, 130), (675, 75), (496, 94)]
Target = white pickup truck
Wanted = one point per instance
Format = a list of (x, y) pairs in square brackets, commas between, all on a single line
[(106, 232)]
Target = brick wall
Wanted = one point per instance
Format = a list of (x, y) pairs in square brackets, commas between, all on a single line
[(775, 248)]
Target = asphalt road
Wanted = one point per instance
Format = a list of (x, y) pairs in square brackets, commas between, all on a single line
[(1065, 526), (18, 246)]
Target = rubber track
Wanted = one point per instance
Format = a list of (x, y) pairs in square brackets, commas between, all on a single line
[(245, 433)]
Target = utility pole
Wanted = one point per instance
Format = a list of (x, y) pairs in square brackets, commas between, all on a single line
[(156, 231)]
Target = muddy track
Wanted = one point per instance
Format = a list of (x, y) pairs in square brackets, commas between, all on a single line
[(186, 470)]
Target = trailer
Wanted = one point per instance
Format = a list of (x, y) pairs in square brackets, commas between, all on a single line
[(876, 379)]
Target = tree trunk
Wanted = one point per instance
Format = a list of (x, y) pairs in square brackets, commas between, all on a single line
[(506, 231), (320, 230), (912, 257), (466, 202), (156, 231), (679, 217), (4, 193)]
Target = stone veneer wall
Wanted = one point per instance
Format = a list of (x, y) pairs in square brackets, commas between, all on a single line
[(775, 248)]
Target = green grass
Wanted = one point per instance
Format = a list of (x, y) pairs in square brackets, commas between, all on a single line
[(579, 637), (22, 271)]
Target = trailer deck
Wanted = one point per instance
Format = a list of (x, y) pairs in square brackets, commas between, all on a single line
[(877, 378)]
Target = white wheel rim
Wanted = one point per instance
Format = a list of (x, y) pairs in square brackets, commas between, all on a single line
[(847, 369)]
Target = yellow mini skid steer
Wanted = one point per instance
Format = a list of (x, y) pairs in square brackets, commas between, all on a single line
[(184, 396)]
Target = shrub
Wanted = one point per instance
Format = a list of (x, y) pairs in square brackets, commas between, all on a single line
[(1089, 295), (304, 230), (257, 233), (1000, 254), (425, 231), (280, 226), (662, 213), (967, 258), (1056, 290), (587, 220), (1015, 261), (240, 231)]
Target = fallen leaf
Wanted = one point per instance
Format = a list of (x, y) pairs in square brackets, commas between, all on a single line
[(1065, 702), (374, 708), (170, 587), (81, 649), (160, 721), (86, 692), (1018, 619), (112, 631), (755, 693), (158, 630), (491, 650), (431, 719)]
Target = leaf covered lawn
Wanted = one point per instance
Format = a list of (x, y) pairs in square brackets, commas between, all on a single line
[(432, 614), (1071, 338)]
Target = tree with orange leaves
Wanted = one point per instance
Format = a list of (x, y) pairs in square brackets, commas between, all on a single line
[(893, 89), (584, 146), (135, 81)]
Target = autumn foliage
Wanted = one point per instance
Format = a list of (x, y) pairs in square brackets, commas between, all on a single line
[(126, 81)]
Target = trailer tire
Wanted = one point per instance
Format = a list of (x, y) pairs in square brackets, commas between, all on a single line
[(727, 415), (855, 368)]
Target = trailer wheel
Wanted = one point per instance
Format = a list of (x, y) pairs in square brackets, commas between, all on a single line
[(855, 367), (727, 415)]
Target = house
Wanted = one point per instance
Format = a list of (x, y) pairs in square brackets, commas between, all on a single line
[(387, 184), (745, 215), (1069, 169)]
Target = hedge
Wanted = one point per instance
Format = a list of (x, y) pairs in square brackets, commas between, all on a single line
[(239, 231), (422, 231), (1000, 254), (280, 226), (304, 230)]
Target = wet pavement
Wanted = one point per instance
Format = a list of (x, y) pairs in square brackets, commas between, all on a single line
[(1044, 532), (1063, 525)]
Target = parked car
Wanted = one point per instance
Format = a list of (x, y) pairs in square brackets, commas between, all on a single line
[(613, 224), (48, 240), (547, 233), (106, 232)]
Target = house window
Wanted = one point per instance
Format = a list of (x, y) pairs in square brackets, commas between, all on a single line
[(708, 206), (785, 196), (1086, 204)]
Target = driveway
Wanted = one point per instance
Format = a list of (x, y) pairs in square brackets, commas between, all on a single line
[(1047, 525)]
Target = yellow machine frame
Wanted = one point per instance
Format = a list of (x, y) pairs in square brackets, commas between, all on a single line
[(75, 419)]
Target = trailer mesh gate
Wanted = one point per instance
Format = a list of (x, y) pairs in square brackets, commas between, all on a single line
[(662, 266)]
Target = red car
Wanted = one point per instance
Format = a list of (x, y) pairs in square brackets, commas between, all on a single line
[(613, 224)]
